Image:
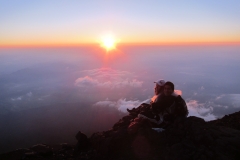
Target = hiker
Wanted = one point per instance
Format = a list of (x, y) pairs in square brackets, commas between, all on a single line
[(158, 90), (169, 107)]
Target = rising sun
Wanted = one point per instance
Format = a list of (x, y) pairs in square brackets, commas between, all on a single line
[(108, 42)]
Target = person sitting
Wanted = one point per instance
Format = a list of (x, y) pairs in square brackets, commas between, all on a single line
[(167, 108), (158, 91)]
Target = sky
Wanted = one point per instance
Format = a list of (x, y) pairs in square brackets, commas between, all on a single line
[(73, 22)]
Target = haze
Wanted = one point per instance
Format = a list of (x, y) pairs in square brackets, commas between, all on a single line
[(49, 94)]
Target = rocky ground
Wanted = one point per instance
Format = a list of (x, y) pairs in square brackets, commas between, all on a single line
[(134, 138)]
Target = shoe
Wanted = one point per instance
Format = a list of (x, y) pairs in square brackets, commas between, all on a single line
[(155, 118)]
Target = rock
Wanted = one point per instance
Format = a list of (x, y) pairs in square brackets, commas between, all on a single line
[(83, 142), (133, 128), (230, 121), (42, 150), (134, 138), (30, 154), (189, 138)]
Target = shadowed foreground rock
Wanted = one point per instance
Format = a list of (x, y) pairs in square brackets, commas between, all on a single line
[(134, 138)]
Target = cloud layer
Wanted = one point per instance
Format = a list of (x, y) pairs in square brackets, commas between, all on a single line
[(108, 78), (122, 104), (206, 110), (215, 107), (200, 110)]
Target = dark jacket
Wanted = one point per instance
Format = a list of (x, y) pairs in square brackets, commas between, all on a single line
[(170, 107)]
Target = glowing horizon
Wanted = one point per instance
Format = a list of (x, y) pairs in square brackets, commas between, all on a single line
[(120, 44), (74, 23), (128, 40)]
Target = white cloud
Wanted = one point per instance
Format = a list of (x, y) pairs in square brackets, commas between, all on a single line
[(200, 110), (232, 99), (121, 104), (86, 81), (108, 78), (106, 103)]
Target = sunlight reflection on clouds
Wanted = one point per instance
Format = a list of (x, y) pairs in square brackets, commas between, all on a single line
[(109, 78)]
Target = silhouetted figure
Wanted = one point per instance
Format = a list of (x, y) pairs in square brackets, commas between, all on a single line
[(167, 108)]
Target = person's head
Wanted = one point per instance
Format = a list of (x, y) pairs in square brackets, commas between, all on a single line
[(168, 88), (159, 86)]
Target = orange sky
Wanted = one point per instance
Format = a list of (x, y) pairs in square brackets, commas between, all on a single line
[(75, 23)]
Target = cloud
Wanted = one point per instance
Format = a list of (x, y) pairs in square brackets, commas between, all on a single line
[(23, 97), (200, 110), (86, 81), (108, 78), (29, 94), (121, 104), (17, 99), (209, 106), (232, 100), (106, 103), (219, 97), (201, 88), (235, 100), (178, 92)]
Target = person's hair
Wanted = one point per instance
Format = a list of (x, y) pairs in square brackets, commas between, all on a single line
[(161, 89), (169, 84)]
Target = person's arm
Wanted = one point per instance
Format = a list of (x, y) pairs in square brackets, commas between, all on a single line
[(181, 108)]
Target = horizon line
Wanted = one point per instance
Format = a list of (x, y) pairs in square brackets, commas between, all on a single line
[(123, 44)]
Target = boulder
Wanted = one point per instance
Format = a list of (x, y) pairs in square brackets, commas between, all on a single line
[(83, 142)]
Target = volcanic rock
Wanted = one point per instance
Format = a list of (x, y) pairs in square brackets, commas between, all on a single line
[(133, 138)]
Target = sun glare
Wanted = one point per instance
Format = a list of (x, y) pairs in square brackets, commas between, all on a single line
[(108, 43)]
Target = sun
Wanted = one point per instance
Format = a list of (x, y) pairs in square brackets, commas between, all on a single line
[(108, 42)]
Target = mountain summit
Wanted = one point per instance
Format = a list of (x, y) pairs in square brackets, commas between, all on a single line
[(134, 138)]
